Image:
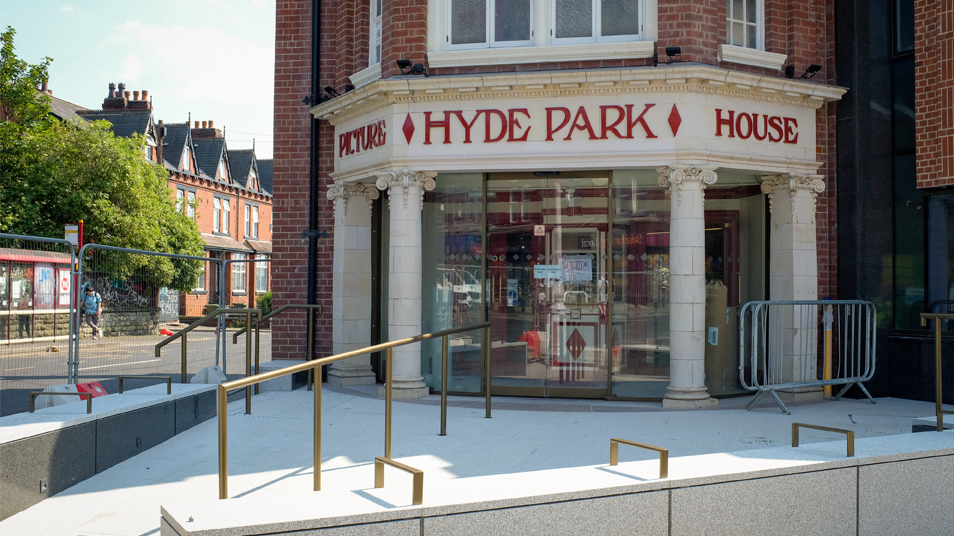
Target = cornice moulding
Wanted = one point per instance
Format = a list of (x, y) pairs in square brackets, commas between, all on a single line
[(751, 56), (540, 54), (675, 78)]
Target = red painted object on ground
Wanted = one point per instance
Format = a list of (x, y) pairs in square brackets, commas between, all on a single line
[(93, 388)]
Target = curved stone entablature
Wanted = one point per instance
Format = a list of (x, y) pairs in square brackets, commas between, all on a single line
[(600, 119)]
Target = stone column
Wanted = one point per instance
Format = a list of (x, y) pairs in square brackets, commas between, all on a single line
[(793, 275), (687, 282), (406, 200), (351, 321)]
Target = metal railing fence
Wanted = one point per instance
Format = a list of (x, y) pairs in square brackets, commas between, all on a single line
[(136, 288), (793, 345), (221, 349), (37, 297), (315, 365)]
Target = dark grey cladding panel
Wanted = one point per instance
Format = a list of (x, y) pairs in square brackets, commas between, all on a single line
[(121, 437), (193, 410), (65, 457)]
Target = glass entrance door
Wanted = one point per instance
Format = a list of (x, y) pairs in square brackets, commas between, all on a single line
[(548, 283)]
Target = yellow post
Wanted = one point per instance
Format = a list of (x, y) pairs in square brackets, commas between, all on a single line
[(827, 319)]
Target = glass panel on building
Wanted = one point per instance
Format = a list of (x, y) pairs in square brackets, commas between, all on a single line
[(468, 22), (512, 20), (619, 17), (574, 18)]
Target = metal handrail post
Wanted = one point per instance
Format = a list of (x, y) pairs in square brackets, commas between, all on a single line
[(444, 385), (938, 410), (317, 440), (663, 454), (310, 344), (185, 353), (487, 355), (849, 434), (389, 374), (257, 344), (223, 443), (248, 364)]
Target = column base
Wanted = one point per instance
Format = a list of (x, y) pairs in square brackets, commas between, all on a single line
[(346, 378), (398, 392), (699, 403), (800, 395)]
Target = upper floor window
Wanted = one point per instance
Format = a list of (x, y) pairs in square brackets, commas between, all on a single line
[(255, 222), (744, 26), (180, 195), (191, 208), (594, 21), (483, 23), (248, 219), (185, 160), (216, 214), (377, 12), (226, 214)]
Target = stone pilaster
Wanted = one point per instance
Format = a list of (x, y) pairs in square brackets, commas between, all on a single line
[(351, 320), (687, 281), (406, 199), (793, 273)]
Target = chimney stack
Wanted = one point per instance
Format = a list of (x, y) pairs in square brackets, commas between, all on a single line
[(135, 95), (206, 130), (145, 95), (196, 124), (115, 100), (122, 88), (126, 95), (205, 124), (112, 91), (44, 87), (210, 124)]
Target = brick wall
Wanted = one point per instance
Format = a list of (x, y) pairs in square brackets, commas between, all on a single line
[(934, 92), (292, 124)]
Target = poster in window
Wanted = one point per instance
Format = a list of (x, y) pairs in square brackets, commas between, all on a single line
[(45, 285)]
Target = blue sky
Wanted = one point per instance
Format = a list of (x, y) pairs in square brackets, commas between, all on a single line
[(213, 58)]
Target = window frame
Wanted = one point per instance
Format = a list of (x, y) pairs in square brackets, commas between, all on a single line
[(226, 214), (200, 280), (180, 199), (191, 206), (596, 36), (254, 221), (261, 273), (248, 219), (216, 213), (759, 25), (488, 42), (238, 273), (375, 32)]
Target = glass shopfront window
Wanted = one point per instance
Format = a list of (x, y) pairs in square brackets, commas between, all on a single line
[(572, 271), (452, 249)]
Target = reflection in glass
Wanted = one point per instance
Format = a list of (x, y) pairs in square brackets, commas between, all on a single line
[(451, 279)]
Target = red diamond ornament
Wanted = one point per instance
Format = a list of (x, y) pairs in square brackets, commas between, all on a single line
[(575, 344), (408, 129), (674, 120)]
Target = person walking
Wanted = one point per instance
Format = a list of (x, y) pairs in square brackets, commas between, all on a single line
[(93, 305)]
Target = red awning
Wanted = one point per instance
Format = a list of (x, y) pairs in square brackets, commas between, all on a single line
[(29, 256)]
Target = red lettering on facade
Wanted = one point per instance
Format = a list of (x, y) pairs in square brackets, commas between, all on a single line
[(585, 125), (775, 123), (730, 122), (467, 126), (550, 129), (738, 126), (487, 125), (514, 124), (605, 126), (789, 122), (428, 125), (362, 139), (641, 120), (755, 126)]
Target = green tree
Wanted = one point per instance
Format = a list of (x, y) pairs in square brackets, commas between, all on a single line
[(54, 173)]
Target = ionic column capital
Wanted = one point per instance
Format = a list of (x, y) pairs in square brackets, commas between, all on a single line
[(675, 176), (405, 179), (340, 192), (794, 183)]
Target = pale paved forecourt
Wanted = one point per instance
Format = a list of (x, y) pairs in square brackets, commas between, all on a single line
[(564, 444)]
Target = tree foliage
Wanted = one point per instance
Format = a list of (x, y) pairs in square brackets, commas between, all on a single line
[(54, 173)]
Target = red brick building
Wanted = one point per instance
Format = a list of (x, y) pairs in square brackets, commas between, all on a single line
[(525, 117), (223, 190)]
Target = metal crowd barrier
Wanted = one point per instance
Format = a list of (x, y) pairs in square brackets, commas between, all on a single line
[(793, 345)]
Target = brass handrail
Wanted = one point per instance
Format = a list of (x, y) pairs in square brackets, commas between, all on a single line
[(34, 394), (663, 454), (938, 410), (248, 346), (224, 389), (417, 493), (167, 379), (850, 434), (310, 332)]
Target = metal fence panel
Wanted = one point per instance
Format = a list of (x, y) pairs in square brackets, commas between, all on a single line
[(37, 291), (790, 345)]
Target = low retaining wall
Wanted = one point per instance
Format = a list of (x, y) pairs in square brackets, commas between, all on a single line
[(894, 485), (61, 446)]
